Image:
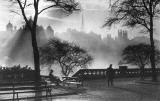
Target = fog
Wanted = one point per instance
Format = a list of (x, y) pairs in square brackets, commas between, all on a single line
[(16, 45), (105, 50)]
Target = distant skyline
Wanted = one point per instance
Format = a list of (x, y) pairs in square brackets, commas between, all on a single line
[(95, 9), (95, 13), (16, 48)]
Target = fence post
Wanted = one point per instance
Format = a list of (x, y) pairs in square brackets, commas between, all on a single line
[(17, 96), (13, 91)]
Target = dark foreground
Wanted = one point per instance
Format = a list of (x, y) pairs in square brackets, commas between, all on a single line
[(97, 90)]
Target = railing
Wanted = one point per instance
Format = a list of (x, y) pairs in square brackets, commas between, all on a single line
[(89, 74), (8, 76), (16, 88)]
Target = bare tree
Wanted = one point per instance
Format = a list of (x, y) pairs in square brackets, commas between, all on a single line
[(134, 13), (67, 5), (67, 55), (74, 58), (139, 55)]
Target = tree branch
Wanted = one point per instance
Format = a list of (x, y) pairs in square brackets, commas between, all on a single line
[(45, 9), (147, 9), (60, 4), (25, 2), (12, 11), (24, 15)]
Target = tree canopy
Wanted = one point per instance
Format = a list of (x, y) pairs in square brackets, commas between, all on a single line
[(137, 13), (139, 55), (133, 12), (136, 54), (68, 55), (67, 5)]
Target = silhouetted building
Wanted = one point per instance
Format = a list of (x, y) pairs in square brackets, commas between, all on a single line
[(121, 39), (109, 37), (9, 27), (122, 35), (21, 51), (50, 32)]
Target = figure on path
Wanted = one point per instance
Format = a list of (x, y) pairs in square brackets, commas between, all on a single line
[(110, 72), (53, 78)]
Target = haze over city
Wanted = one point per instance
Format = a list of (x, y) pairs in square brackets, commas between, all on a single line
[(83, 27)]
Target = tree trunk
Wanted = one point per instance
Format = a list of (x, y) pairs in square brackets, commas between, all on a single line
[(142, 72), (152, 57), (36, 63), (63, 69), (35, 55)]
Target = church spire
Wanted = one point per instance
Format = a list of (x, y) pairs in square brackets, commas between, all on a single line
[(82, 20), (110, 3)]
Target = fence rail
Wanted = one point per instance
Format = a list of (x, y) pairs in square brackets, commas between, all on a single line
[(102, 73), (9, 76)]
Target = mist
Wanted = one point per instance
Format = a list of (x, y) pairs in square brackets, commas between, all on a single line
[(105, 50), (16, 46)]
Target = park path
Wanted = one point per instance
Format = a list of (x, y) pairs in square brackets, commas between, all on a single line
[(123, 90), (97, 90)]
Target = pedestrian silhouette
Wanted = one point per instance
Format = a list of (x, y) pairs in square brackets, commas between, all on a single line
[(110, 72), (54, 79)]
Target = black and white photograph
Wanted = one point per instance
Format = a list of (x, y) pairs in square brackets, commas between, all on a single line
[(79, 50)]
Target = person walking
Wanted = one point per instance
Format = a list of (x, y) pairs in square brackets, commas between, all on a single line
[(110, 72)]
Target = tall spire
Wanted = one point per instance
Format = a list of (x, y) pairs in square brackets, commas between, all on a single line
[(82, 20), (110, 3)]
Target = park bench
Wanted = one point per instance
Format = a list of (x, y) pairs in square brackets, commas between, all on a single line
[(16, 88), (47, 79), (72, 81)]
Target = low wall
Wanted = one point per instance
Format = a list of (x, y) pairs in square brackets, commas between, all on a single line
[(102, 73)]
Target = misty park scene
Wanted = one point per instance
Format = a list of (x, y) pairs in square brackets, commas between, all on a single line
[(79, 50)]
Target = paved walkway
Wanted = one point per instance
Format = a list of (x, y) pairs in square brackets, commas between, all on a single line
[(97, 90), (56, 91), (123, 90)]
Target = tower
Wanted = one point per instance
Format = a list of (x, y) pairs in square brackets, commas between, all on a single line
[(110, 4), (122, 35), (125, 35), (82, 20), (50, 32), (9, 27), (109, 37)]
